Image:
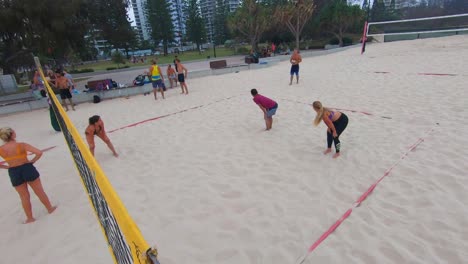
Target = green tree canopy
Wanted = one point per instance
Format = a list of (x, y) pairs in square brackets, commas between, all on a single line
[(159, 16), (338, 18), (250, 21), (114, 24), (221, 30), (295, 15), (47, 28), (195, 25)]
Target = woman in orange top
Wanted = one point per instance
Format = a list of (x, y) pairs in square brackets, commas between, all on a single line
[(96, 127), (22, 171)]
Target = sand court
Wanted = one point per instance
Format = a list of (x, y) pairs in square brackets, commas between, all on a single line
[(206, 183)]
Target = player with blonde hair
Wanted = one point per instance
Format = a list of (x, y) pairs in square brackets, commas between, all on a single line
[(22, 171), (336, 123)]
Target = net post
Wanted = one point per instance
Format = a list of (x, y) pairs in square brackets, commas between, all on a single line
[(364, 38), (124, 239)]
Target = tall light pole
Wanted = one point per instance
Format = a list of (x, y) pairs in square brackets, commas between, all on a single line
[(213, 39)]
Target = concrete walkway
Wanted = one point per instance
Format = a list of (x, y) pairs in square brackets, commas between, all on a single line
[(195, 69), (127, 75)]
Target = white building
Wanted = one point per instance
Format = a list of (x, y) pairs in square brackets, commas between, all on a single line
[(142, 22), (233, 5), (402, 3), (141, 19), (208, 13), (178, 19)]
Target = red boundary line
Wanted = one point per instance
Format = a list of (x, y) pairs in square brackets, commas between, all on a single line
[(437, 74), (171, 114), (43, 150), (361, 199), (425, 73), (341, 109)]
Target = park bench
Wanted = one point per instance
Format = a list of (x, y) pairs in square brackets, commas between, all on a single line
[(220, 64)]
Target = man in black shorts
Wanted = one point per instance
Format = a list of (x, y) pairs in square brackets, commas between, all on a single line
[(64, 87), (181, 76)]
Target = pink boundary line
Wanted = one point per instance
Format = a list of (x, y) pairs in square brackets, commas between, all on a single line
[(424, 73), (341, 109), (437, 74), (171, 114), (43, 150), (361, 199)]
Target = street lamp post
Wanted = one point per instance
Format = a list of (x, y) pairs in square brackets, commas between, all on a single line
[(213, 40), (214, 49)]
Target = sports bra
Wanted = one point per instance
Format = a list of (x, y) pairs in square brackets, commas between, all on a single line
[(330, 116), (20, 153)]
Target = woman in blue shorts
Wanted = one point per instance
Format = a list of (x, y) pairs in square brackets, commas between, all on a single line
[(22, 171)]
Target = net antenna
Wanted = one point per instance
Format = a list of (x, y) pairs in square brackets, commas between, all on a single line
[(417, 27)]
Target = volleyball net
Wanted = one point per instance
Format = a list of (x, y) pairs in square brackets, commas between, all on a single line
[(408, 29), (125, 241)]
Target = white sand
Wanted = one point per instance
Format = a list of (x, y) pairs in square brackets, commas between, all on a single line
[(210, 186)]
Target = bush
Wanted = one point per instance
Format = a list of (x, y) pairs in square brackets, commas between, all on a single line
[(334, 41), (81, 71), (346, 41), (118, 58), (229, 43), (243, 50), (116, 68)]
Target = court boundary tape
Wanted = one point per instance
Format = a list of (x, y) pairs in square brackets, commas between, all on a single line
[(363, 197), (340, 109), (425, 73), (171, 114)]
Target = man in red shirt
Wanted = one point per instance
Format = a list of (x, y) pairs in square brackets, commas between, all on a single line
[(267, 105)]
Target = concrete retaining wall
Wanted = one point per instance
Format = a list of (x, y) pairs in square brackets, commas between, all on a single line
[(124, 92), (8, 84)]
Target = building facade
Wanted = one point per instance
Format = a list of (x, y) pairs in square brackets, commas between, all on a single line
[(142, 22), (141, 19), (208, 12), (178, 19)]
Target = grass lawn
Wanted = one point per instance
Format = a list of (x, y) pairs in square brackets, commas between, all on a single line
[(186, 56), (22, 89), (81, 79)]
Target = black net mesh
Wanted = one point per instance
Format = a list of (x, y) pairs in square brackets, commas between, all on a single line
[(112, 231), (457, 24)]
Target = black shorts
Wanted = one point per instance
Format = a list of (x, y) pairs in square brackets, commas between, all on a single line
[(295, 69), (21, 174), (181, 77), (65, 94)]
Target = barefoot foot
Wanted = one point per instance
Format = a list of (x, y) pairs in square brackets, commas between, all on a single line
[(51, 210), (336, 155), (116, 155), (327, 151), (29, 221)]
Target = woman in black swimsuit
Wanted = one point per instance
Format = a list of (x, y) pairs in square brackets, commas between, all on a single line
[(336, 123)]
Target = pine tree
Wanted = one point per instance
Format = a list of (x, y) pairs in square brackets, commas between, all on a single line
[(160, 20), (221, 30), (195, 25)]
